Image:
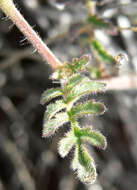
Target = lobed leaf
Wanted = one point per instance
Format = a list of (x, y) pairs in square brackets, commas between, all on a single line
[(87, 176), (75, 80), (90, 107), (82, 89), (85, 165), (68, 69), (52, 125), (66, 144), (104, 55), (49, 94), (78, 64), (52, 109), (93, 137), (75, 162)]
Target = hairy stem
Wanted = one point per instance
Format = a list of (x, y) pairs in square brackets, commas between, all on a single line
[(10, 10)]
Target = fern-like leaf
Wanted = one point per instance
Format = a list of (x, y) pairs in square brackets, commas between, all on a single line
[(66, 144), (74, 85), (86, 170), (90, 107), (75, 80), (84, 88), (78, 64), (49, 94), (75, 162), (93, 137), (52, 125), (52, 109)]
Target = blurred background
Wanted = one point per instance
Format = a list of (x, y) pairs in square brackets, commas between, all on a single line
[(30, 162)]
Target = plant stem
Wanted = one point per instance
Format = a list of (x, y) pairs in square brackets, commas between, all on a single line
[(133, 29), (10, 10), (124, 82)]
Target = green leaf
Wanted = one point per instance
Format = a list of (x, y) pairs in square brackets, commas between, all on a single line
[(98, 22), (52, 109), (75, 162), (78, 64), (75, 80), (66, 144), (93, 137), (87, 176), (85, 165), (68, 69), (49, 94), (82, 89), (90, 107), (52, 125), (104, 55)]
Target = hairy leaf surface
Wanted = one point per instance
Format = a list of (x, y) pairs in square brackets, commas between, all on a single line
[(93, 137), (78, 64), (75, 162), (90, 107), (86, 168), (49, 94), (52, 109), (84, 88), (52, 125), (66, 144), (75, 80)]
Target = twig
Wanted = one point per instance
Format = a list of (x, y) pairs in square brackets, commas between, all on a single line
[(9, 9), (124, 82), (134, 29)]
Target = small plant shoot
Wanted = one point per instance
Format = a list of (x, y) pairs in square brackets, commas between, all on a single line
[(74, 85)]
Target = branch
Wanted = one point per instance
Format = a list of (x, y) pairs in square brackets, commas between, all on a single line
[(124, 82), (9, 9)]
